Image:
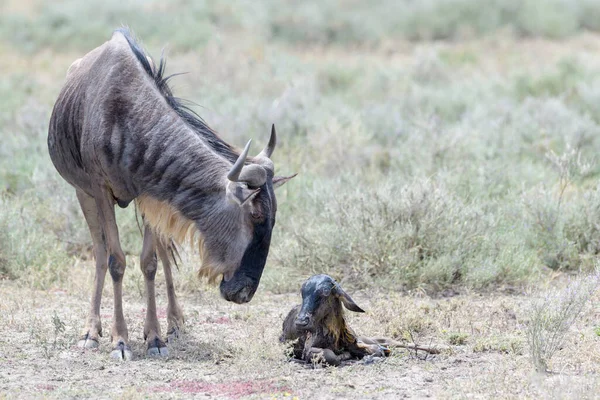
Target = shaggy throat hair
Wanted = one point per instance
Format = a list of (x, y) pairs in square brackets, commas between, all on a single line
[(169, 225), (338, 328)]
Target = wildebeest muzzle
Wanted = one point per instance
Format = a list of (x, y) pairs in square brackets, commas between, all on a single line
[(244, 282)]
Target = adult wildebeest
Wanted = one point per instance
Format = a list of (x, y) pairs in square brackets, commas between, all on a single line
[(320, 331), (117, 135)]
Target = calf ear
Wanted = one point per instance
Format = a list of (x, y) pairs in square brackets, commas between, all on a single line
[(281, 180), (347, 300)]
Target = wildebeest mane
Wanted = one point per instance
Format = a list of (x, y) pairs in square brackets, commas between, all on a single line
[(191, 118)]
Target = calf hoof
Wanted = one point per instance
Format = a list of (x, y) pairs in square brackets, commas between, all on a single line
[(121, 352), (87, 342), (157, 348), (381, 351), (372, 359), (385, 351)]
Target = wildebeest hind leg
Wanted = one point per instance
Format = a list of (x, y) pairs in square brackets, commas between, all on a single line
[(93, 327), (174, 314), (148, 263), (116, 267)]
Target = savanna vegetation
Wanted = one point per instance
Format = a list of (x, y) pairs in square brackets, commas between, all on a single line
[(447, 153)]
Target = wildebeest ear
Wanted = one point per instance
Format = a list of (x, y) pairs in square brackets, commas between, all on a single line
[(346, 299), (240, 194), (281, 180)]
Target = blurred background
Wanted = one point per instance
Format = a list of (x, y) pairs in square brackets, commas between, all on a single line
[(440, 144)]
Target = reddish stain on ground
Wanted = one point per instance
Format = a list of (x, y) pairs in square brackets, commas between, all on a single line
[(45, 386), (234, 390), (216, 320)]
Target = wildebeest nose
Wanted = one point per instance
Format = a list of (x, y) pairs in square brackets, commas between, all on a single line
[(302, 321), (243, 296)]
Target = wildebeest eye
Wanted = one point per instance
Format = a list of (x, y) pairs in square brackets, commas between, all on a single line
[(256, 215)]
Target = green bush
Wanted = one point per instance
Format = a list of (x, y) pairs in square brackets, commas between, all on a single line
[(553, 316), (423, 165), (72, 25), (29, 249), (402, 235)]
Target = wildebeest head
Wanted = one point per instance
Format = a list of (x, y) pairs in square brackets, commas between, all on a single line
[(321, 297), (251, 197)]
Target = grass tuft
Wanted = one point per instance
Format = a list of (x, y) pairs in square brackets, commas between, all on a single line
[(553, 316)]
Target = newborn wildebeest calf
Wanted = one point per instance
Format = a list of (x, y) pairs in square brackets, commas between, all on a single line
[(321, 329)]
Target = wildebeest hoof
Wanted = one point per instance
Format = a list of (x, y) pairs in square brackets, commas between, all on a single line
[(87, 342), (121, 352), (173, 334), (158, 352), (157, 348)]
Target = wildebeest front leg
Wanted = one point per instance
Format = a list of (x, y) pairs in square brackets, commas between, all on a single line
[(174, 313), (116, 267), (148, 263), (93, 328)]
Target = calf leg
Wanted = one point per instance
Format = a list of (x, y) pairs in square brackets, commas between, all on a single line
[(318, 355), (374, 347), (93, 328), (148, 263), (174, 313), (116, 267)]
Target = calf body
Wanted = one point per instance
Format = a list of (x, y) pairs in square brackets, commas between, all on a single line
[(318, 327)]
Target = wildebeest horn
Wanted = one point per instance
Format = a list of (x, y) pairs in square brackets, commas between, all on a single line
[(234, 173), (268, 151)]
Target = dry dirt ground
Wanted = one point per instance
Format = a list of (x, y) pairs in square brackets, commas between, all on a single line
[(232, 351)]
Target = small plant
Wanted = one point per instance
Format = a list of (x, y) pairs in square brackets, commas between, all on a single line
[(506, 344), (42, 339), (59, 330), (457, 339), (552, 316), (560, 230)]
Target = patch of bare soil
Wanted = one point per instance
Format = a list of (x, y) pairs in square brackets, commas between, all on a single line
[(232, 351)]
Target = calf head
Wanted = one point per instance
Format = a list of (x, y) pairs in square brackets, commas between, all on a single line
[(322, 297)]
